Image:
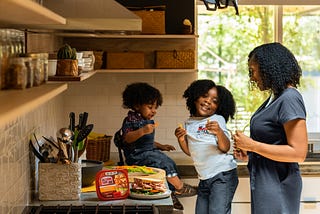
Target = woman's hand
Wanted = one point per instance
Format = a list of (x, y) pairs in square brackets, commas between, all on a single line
[(240, 154), (243, 142)]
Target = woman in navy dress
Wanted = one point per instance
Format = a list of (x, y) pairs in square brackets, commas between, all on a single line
[(278, 135)]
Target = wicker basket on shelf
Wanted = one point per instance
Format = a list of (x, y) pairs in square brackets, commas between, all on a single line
[(175, 59), (98, 147), (153, 19)]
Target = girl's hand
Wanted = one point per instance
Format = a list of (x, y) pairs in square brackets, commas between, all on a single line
[(213, 127), (180, 133)]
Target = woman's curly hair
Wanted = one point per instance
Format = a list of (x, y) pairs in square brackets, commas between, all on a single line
[(278, 66), (199, 88), (140, 93)]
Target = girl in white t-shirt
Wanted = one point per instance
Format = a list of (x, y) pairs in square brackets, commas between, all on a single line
[(206, 139)]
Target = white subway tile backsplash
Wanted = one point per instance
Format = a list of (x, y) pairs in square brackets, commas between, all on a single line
[(15, 174)]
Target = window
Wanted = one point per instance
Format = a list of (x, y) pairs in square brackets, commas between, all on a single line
[(226, 39)]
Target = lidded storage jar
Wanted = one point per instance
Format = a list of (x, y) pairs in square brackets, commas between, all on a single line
[(16, 77), (37, 68)]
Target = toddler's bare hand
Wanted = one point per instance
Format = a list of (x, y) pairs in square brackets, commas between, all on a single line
[(167, 147), (148, 129)]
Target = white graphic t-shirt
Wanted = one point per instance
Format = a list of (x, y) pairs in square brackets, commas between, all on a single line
[(203, 146)]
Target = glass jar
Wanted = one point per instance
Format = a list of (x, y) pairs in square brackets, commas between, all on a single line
[(37, 68), (45, 61), (88, 60), (30, 76), (16, 77)]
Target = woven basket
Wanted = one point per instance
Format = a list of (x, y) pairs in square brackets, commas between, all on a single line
[(175, 59), (125, 60), (153, 19), (67, 67), (98, 148), (59, 181)]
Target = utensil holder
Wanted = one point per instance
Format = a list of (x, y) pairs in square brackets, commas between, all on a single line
[(59, 181)]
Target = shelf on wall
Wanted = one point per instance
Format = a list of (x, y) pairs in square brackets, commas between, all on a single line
[(26, 12), (125, 36), (14, 103), (83, 76), (147, 70)]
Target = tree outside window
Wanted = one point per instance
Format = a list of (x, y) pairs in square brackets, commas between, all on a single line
[(225, 41)]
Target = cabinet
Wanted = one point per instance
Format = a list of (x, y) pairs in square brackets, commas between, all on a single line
[(145, 43)]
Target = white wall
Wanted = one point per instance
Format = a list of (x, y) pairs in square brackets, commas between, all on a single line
[(101, 97)]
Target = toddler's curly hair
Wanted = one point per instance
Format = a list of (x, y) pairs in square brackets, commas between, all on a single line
[(140, 93)]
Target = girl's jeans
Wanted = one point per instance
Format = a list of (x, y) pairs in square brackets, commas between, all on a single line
[(215, 194)]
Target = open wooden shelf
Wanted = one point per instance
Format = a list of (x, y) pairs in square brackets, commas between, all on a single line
[(125, 36), (83, 76), (14, 103), (147, 70), (26, 12)]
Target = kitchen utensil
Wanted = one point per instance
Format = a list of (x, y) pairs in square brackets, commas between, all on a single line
[(35, 137), (72, 121), (36, 152), (66, 136), (82, 134), (84, 120), (80, 121), (51, 142)]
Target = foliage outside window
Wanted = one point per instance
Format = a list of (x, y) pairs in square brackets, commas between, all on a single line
[(225, 41)]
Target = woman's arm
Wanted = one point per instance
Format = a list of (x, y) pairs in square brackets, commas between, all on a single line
[(295, 151)]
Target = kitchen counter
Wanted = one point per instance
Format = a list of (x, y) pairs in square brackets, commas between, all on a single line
[(91, 199), (310, 167)]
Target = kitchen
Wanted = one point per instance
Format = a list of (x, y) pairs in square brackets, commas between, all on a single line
[(44, 109)]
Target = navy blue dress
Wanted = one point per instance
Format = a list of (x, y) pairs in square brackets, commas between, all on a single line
[(275, 186)]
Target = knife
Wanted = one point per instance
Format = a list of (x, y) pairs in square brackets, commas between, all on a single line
[(80, 121), (84, 120), (72, 121)]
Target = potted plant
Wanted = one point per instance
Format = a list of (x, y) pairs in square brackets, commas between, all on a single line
[(67, 63)]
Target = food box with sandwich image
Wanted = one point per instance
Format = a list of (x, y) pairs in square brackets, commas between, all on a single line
[(112, 184), (143, 183)]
